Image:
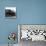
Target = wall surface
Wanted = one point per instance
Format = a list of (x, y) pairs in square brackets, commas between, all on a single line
[(28, 12)]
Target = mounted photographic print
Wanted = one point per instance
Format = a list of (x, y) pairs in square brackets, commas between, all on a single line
[(32, 32), (10, 12)]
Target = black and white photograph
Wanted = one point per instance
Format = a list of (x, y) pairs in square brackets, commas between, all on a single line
[(10, 12), (31, 34)]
